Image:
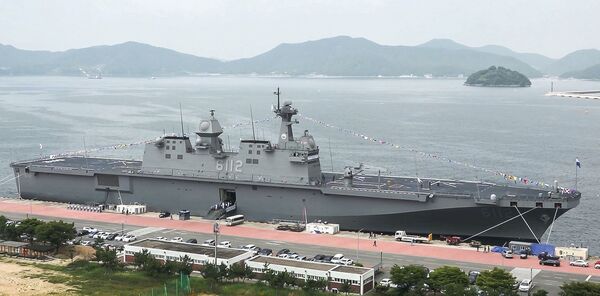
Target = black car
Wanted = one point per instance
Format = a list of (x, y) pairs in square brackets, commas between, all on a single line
[(164, 214), (192, 241), (283, 251), (523, 254), (82, 232), (318, 257), (265, 252), (326, 258), (552, 262), (111, 236)]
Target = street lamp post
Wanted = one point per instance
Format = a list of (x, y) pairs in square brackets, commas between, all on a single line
[(358, 243)]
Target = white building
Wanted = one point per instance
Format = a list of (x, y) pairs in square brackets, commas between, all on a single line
[(173, 251), (361, 279)]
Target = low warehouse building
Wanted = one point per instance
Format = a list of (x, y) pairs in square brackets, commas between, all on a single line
[(24, 249), (173, 251), (572, 253), (361, 279)]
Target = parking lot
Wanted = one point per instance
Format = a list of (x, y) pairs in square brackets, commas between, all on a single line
[(362, 252)]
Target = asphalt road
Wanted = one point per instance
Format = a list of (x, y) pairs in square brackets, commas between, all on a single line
[(543, 279)]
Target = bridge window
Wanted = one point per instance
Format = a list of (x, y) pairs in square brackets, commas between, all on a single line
[(173, 147), (249, 160), (168, 147), (250, 145), (179, 156), (249, 151), (168, 156), (513, 203), (258, 152), (255, 161), (558, 205), (539, 204)]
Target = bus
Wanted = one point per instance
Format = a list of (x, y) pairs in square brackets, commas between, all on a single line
[(234, 220)]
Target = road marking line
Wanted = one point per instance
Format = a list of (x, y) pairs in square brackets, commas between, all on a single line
[(588, 278)]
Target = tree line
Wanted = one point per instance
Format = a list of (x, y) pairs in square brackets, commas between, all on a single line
[(55, 233)]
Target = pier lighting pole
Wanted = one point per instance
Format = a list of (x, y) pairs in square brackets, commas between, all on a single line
[(358, 243), (216, 231)]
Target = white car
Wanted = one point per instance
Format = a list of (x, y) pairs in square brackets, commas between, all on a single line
[(119, 237), (580, 263), (225, 244), (387, 283), (293, 256), (177, 239), (525, 285), (90, 229), (346, 261), (161, 238), (86, 243), (284, 255), (105, 235), (129, 238), (336, 258)]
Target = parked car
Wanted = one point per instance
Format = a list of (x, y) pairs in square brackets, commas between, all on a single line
[(177, 239), (192, 241), (161, 238), (265, 252), (597, 264), (507, 254), (293, 256), (387, 283), (545, 255), (318, 257), (525, 285), (105, 235), (164, 214), (112, 236), (82, 232), (346, 261), (129, 238), (225, 244), (326, 258), (90, 229), (209, 243), (302, 258), (337, 258), (119, 237), (283, 251), (86, 243), (473, 274), (523, 254), (580, 263), (552, 262)]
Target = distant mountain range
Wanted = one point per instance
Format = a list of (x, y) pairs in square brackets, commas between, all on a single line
[(337, 56)]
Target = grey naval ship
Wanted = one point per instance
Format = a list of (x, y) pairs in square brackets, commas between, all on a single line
[(267, 181)]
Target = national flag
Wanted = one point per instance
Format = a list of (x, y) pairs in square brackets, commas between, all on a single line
[(577, 163)]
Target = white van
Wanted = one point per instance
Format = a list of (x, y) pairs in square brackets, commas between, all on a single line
[(234, 220)]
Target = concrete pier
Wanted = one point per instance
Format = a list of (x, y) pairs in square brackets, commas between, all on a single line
[(584, 94)]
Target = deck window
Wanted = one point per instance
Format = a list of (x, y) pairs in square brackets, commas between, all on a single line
[(513, 203), (179, 156), (539, 204), (255, 161)]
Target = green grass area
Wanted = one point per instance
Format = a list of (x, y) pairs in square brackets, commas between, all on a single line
[(88, 278)]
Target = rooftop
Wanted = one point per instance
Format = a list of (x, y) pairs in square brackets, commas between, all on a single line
[(13, 244), (225, 253), (293, 263), (351, 269)]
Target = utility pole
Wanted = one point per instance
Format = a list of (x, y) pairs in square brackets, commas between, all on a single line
[(358, 243), (216, 231)]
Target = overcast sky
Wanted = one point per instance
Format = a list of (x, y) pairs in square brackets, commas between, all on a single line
[(244, 28)]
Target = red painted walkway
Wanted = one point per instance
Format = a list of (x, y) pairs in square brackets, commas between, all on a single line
[(391, 247)]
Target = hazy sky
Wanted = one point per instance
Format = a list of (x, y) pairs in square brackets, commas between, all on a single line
[(244, 28)]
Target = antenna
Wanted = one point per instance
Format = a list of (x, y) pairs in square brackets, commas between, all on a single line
[(252, 120), (181, 119), (277, 93)]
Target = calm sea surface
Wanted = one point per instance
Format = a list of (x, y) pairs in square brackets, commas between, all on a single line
[(517, 131)]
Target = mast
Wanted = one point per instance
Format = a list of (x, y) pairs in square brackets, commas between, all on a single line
[(181, 120), (252, 120)]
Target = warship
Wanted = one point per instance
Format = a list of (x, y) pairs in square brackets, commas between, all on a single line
[(283, 180)]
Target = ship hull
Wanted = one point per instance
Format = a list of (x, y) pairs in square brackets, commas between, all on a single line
[(265, 203)]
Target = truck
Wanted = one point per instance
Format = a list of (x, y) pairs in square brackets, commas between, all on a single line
[(401, 235)]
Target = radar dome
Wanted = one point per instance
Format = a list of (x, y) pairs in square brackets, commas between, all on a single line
[(204, 125)]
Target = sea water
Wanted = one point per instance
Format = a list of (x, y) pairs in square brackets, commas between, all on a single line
[(517, 131)]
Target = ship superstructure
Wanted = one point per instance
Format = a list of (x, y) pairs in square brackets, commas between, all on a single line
[(268, 181)]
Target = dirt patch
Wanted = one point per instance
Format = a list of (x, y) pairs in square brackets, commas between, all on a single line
[(21, 279)]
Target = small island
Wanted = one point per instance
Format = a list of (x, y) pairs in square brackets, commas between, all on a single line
[(498, 77)]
